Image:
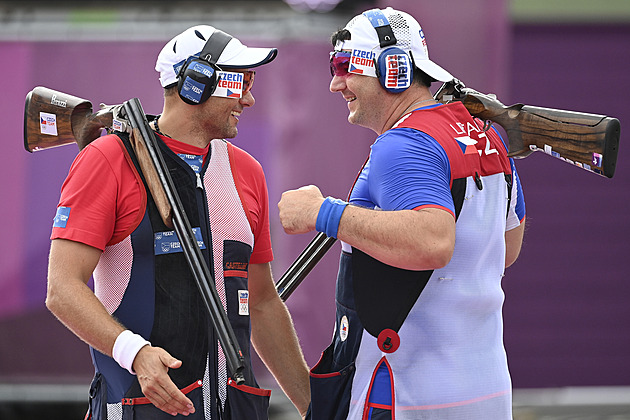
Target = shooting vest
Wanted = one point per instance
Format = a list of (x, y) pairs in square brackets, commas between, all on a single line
[(146, 282), (410, 344)]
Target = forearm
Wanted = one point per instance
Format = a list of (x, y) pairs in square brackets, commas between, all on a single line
[(421, 239), (275, 341), (75, 305), (70, 299)]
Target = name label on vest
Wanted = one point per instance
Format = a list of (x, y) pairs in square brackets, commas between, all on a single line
[(168, 242)]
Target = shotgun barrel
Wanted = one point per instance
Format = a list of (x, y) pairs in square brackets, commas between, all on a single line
[(201, 273)]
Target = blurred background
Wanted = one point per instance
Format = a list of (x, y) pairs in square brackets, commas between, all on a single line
[(567, 316)]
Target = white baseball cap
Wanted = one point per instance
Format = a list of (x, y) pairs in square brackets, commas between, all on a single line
[(190, 43), (409, 38)]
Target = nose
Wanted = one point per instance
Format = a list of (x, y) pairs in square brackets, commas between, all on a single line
[(247, 99), (337, 84)]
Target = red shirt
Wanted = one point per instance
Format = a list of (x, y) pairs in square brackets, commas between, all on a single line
[(106, 199)]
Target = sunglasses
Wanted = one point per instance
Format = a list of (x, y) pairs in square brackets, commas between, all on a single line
[(339, 63), (248, 81)]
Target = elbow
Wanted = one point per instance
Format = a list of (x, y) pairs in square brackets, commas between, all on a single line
[(53, 301), (440, 246), (443, 251), (511, 257), (442, 261), (442, 257), (434, 258)]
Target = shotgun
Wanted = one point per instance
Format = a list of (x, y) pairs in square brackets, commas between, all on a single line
[(63, 119), (589, 141)]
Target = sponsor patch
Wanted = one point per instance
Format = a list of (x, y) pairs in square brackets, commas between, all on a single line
[(61, 218), (230, 85), (178, 66), (168, 242), (343, 328), (194, 161), (397, 71), (48, 123), (202, 68), (362, 62), (235, 269), (192, 90), (243, 302), (118, 125)]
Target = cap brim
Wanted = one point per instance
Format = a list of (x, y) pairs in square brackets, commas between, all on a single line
[(433, 70), (249, 58)]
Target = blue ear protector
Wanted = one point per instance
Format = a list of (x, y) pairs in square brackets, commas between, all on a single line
[(394, 67), (197, 79)]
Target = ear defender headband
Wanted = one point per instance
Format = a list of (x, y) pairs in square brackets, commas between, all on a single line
[(197, 79), (394, 67)]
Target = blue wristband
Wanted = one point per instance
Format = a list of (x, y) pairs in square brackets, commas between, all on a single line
[(329, 216)]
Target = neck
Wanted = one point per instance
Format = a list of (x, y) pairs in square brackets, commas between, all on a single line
[(416, 105), (179, 127), (406, 102)]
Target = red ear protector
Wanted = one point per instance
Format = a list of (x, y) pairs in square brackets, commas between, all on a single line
[(394, 67), (197, 79)]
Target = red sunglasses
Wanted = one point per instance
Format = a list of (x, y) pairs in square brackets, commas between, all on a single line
[(248, 81), (339, 63)]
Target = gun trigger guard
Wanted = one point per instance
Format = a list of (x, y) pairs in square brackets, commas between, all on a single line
[(486, 125)]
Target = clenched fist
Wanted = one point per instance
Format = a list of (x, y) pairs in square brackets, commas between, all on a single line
[(299, 209)]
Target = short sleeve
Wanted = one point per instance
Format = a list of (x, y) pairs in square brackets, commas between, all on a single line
[(516, 212), (408, 169), (252, 187), (88, 200)]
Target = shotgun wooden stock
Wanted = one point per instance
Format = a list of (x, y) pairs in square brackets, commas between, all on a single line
[(589, 141), (53, 118)]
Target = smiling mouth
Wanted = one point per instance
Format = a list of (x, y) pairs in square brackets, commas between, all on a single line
[(236, 114), (354, 98)]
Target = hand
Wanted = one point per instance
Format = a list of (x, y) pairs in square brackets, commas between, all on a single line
[(299, 209), (151, 365)]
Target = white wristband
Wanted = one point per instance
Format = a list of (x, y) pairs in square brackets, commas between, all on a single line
[(126, 347)]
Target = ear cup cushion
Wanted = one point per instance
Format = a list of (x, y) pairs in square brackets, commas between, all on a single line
[(197, 81), (394, 69)]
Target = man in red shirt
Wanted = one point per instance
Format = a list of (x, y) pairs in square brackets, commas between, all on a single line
[(154, 349)]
